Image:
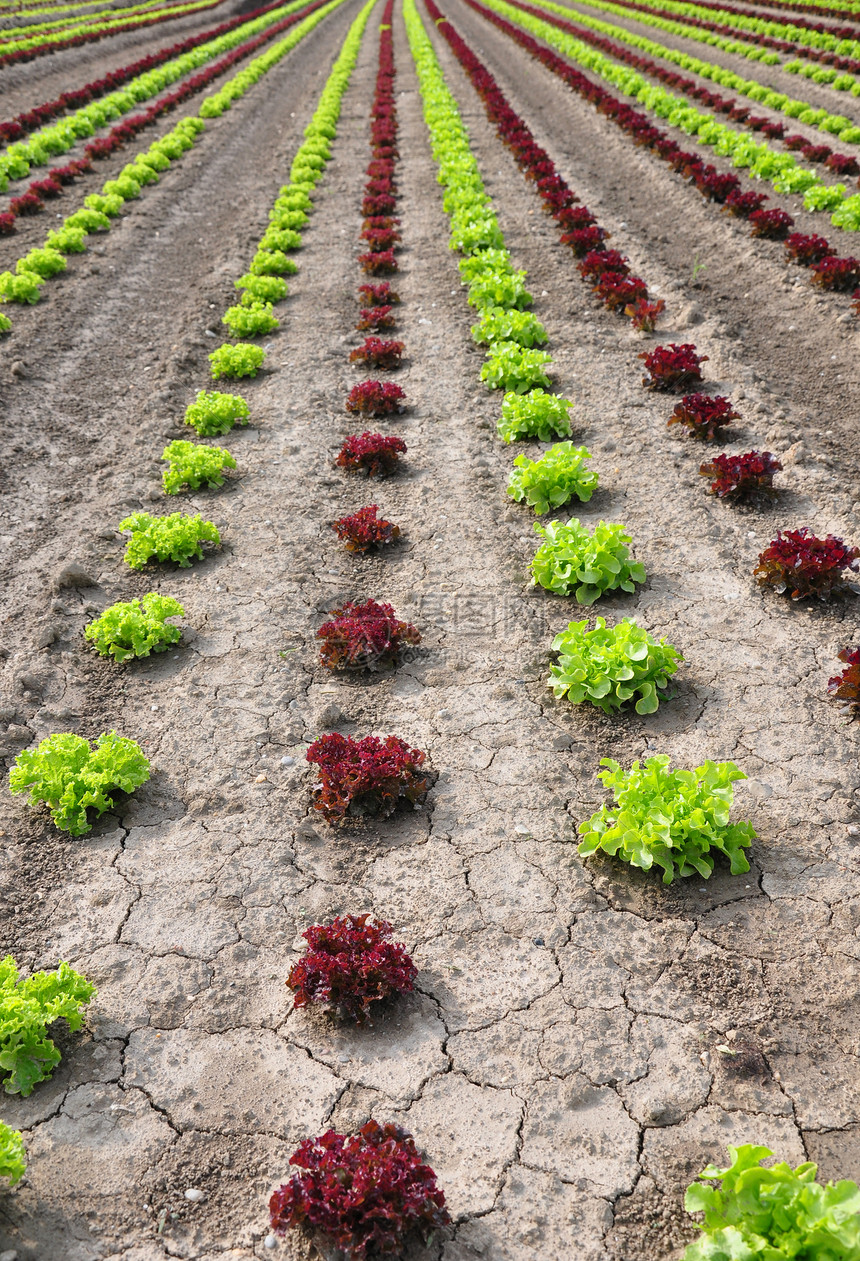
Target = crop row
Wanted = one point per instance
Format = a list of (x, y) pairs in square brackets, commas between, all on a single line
[(779, 169), (43, 28), (351, 963), (12, 51), (39, 265), (831, 124), (753, 42), (723, 189), (45, 145), (31, 119)]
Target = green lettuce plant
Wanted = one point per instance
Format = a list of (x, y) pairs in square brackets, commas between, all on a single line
[(22, 288), (551, 481), (70, 776), (212, 413), (512, 367), (5, 323), (67, 241), (13, 1158), (250, 320), (268, 262), (194, 465), (504, 290), (110, 204), (136, 629), (87, 220), (44, 262), (612, 665), (771, 1214), (241, 360), (499, 325), (27, 1054), (669, 819), (276, 241), (571, 561), (261, 288), (175, 537), (535, 414)]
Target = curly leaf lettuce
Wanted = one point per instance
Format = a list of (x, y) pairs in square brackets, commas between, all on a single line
[(129, 630), (174, 537), (27, 1008), (13, 1158), (669, 819), (70, 776)]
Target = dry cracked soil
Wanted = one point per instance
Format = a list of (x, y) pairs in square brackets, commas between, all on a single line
[(582, 1039)]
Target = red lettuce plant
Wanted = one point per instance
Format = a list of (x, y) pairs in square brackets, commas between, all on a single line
[(364, 529), (807, 250), (376, 353), (846, 686), (379, 204), (372, 452), (744, 205), (7, 223), (843, 164), (376, 398), (596, 262), (702, 415), (716, 186), (380, 239), (795, 141), (367, 776), (773, 225), (672, 367), (816, 152), (364, 1194), (381, 264), (803, 565), (618, 292), (583, 240), (644, 314), (364, 637), (349, 965), (837, 274), (573, 218), (741, 477), (378, 295), (375, 319)]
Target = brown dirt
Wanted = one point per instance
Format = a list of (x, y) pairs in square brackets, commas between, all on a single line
[(560, 1064)]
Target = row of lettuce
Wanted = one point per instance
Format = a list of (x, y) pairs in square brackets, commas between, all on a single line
[(352, 963)]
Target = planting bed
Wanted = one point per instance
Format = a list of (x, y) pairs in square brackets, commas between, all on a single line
[(568, 1040)]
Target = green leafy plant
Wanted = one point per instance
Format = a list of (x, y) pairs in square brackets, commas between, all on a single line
[(137, 628), (512, 367), (610, 666), (5, 323), (552, 480), (571, 561), (13, 1158), (194, 465), (499, 325), (22, 288), (67, 241), (261, 288), (272, 262), (241, 360), (70, 776), (174, 537), (772, 1213), (669, 819), (503, 290), (251, 320), (535, 414), (44, 262), (27, 1054), (214, 413)]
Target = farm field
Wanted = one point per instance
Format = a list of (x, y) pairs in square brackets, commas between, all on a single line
[(577, 1036)]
